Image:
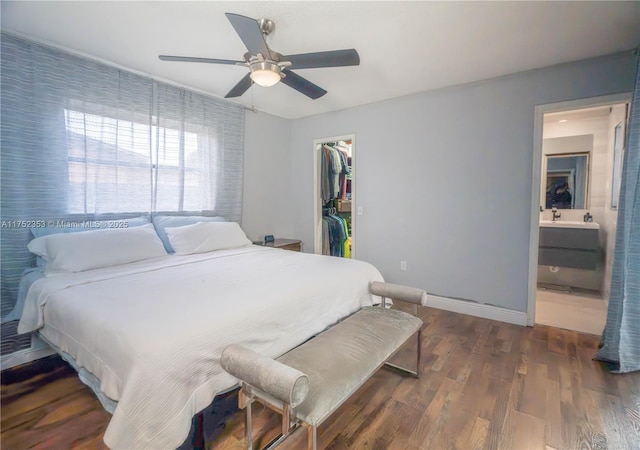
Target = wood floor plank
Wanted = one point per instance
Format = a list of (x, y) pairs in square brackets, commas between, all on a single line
[(629, 389), (485, 385), (527, 432), (41, 397), (513, 404), (430, 431), (634, 418), (482, 337), (618, 429), (486, 403), (385, 426), (562, 342), (592, 378), (553, 419), (478, 434), (533, 400), (406, 418)]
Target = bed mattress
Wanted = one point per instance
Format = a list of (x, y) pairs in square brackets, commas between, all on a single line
[(152, 332)]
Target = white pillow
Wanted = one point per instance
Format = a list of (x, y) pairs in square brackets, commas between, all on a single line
[(76, 252), (204, 237)]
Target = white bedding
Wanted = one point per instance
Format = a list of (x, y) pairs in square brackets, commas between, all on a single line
[(153, 331)]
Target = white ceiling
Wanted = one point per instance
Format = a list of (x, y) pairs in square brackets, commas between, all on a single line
[(578, 114), (405, 47)]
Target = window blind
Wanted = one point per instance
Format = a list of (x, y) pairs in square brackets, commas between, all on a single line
[(83, 140)]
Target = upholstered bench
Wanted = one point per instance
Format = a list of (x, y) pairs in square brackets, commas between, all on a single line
[(307, 384)]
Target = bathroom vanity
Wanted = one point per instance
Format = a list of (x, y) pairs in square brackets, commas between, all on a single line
[(569, 244)]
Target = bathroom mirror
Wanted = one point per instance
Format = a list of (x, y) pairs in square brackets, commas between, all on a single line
[(567, 181)]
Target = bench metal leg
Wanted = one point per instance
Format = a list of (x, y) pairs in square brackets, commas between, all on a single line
[(312, 437), (245, 401), (418, 364), (247, 428), (281, 437), (415, 373), (275, 442)]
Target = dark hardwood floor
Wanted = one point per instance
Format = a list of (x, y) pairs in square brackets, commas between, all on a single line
[(485, 385)]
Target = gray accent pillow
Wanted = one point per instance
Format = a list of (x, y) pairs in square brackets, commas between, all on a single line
[(162, 222)]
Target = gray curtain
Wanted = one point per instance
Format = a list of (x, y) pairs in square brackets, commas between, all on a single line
[(82, 140), (621, 337)]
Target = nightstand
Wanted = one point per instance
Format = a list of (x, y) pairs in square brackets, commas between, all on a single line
[(287, 244)]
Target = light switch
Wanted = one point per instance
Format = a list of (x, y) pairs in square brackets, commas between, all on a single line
[(359, 210)]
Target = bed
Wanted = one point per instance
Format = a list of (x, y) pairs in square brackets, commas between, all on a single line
[(151, 332)]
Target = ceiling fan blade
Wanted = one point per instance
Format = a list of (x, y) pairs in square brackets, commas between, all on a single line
[(249, 31), (335, 58), (198, 60), (240, 88), (302, 85)]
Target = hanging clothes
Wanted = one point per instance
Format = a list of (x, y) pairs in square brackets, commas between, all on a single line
[(326, 250), (334, 171), (334, 168), (344, 159), (337, 235), (325, 163), (346, 246)]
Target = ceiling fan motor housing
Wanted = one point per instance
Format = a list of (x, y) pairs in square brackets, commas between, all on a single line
[(265, 65), (267, 26)]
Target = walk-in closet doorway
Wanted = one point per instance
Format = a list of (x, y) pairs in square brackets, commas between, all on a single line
[(334, 195)]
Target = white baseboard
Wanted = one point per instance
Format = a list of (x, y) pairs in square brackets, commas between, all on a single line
[(39, 349), (477, 309)]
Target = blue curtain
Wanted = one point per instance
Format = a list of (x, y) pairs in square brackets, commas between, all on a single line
[(621, 337), (82, 140)]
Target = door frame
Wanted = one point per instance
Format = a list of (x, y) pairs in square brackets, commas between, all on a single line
[(538, 124), (317, 204)]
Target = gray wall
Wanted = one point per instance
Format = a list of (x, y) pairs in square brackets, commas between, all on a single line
[(266, 206), (445, 177)]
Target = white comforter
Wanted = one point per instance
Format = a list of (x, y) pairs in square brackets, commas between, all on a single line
[(153, 331)]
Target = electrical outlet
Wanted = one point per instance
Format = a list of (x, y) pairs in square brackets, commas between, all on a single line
[(403, 265)]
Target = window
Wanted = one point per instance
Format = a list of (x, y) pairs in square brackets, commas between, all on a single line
[(184, 165), (108, 164), (118, 165)]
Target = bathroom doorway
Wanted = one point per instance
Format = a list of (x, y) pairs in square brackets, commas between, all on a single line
[(577, 165)]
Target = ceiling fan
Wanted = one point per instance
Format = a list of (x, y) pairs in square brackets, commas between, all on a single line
[(268, 67)]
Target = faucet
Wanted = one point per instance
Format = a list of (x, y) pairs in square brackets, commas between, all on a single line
[(556, 214)]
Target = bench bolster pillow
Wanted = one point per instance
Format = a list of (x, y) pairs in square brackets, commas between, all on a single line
[(398, 292), (285, 383)]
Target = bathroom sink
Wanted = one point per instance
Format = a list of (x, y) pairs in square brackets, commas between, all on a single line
[(570, 224)]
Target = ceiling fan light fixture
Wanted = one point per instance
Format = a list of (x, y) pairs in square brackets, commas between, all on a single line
[(265, 73)]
